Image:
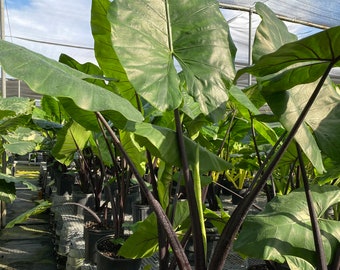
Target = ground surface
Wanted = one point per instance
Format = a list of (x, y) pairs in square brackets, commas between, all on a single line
[(27, 245)]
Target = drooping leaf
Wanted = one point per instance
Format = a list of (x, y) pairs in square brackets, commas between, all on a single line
[(40, 208), (181, 30), (7, 186), (294, 67), (284, 227), (271, 33), (298, 62), (48, 77), (162, 142), (323, 119)]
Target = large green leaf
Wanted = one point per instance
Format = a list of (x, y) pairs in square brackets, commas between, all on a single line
[(144, 241), (104, 52), (298, 62), (41, 207), (193, 33), (322, 119), (284, 227), (22, 140), (12, 106), (271, 34), (48, 77), (162, 142), (69, 139), (291, 67)]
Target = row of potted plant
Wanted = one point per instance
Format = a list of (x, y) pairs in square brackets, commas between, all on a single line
[(163, 106)]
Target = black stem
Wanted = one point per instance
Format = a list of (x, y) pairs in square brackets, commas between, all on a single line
[(322, 264)]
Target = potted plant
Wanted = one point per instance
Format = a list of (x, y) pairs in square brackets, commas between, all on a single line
[(107, 248), (203, 85)]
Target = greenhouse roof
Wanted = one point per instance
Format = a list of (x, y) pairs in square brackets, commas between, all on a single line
[(303, 18), (317, 13)]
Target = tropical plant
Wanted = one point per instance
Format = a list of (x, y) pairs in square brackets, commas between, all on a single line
[(162, 90)]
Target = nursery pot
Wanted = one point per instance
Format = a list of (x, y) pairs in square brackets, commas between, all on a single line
[(236, 199), (91, 236), (105, 260), (212, 238), (133, 196), (140, 211), (64, 183)]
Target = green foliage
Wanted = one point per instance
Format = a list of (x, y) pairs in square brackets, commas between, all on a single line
[(161, 56), (162, 142), (169, 33), (7, 186), (283, 228), (144, 240), (41, 207), (63, 81), (70, 139)]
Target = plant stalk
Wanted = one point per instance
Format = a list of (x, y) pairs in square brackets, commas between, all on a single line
[(322, 264), (163, 253)]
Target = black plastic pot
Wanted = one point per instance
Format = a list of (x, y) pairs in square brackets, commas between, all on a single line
[(140, 211), (133, 196), (212, 238), (105, 262), (64, 183), (237, 199), (91, 236)]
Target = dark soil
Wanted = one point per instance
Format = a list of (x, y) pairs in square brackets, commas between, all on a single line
[(108, 248), (93, 225)]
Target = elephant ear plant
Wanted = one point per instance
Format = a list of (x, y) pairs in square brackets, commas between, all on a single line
[(169, 56)]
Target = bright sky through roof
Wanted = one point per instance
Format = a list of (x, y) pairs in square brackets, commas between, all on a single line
[(17, 3), (40, 25)]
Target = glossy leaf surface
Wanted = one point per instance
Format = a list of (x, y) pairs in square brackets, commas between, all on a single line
[(48, 77), (284, 227), (191, 33)]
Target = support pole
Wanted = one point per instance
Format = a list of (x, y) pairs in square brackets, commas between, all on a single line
[(3, 91), (250, 45)]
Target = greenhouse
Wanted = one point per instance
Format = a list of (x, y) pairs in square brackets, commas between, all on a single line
[(170, 135)]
